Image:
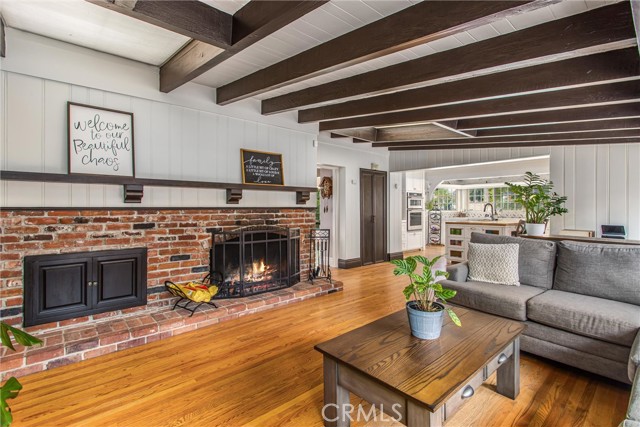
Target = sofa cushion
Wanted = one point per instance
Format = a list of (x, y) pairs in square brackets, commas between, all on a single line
[(506, 301), (599, 270), (494, 263), (536, 261), (611, 321)]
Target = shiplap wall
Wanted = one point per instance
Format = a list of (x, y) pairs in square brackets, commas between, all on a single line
[(425, 159), (602, 182), (182, 135)]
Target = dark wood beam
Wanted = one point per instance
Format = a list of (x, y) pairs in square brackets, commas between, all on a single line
[(522, 144), (253, 22), (3, 43), (578, 34), (418, 132), (603, 94), (593, 113), (415, 25), (190, 18), (587, 70), (563, 127), (635, 10), (368, 134), (516, 138)]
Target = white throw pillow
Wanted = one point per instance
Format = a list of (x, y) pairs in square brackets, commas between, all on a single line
[(494, 263)]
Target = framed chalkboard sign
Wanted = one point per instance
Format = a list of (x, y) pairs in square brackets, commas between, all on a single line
[(100, 141), (259, 167)]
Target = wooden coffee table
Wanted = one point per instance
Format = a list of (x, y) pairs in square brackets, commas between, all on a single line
[(426, 380)]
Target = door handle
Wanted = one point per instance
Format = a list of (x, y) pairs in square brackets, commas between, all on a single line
[(373, 218)]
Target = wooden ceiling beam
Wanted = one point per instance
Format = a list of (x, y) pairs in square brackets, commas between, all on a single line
[(600, 68), (590, 114), (581, 96), (563, 38), (522, 144), (253, 22), (516, 138), (421, 132), (412, 26), (190, 18), (600, 125)]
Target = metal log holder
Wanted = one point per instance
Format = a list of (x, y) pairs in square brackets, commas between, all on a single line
[(320, 241), (184, 299)]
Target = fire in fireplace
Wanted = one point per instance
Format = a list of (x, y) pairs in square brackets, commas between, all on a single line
[(253, 260)]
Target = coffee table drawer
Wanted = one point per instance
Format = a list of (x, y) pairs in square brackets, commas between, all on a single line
[(498, 360), (462, 395)]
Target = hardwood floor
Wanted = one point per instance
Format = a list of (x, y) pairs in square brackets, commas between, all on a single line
[(261, 370)]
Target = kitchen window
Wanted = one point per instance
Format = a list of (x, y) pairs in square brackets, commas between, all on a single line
[(445, 199), (476, 195)]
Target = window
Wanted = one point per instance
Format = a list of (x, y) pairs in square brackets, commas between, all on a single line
[(476, 195), (445, 199), (502, 198)]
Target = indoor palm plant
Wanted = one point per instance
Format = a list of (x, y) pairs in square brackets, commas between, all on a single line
[(539, 201), (12, 387), (425, 296)]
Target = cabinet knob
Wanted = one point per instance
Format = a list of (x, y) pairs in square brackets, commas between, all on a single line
[(467, 392), (502, 358)]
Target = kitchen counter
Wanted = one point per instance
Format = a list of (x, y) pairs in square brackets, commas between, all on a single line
[(501, 222)]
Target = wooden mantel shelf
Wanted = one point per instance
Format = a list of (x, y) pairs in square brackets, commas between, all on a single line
[(116, 180)]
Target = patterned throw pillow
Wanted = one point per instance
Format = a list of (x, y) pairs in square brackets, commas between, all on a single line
[(494, 263)]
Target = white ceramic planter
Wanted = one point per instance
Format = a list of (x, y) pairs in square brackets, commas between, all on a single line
[(534, 229), (425, 324)]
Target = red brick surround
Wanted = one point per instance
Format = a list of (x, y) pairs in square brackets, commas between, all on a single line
[(168, 234)]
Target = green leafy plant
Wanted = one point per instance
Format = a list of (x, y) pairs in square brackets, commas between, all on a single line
[(12, 387), (423, 287), (538, 199)]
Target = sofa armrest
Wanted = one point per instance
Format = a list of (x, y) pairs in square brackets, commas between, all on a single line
[(634, 358), (458, 272)]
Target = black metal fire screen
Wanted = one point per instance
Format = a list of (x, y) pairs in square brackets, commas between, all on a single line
[(253, 260)]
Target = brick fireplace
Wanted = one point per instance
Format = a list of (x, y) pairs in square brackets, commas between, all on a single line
[(178, 243)]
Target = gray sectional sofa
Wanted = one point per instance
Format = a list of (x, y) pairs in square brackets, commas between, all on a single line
[(580, 301)]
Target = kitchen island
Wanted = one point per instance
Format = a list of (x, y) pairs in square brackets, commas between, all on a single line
[(458, 233)]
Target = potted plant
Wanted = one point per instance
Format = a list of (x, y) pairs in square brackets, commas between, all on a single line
[(539, 201), (424, 310), (12, 387)]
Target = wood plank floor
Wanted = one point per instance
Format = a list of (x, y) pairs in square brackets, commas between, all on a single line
[(261, 370)]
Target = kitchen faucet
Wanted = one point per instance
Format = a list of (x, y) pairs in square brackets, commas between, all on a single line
[(494, 216)]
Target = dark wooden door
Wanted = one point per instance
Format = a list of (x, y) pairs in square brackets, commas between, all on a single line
[(119, 277), (373, 216)]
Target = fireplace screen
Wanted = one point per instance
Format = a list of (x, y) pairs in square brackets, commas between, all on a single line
[(253, 260)]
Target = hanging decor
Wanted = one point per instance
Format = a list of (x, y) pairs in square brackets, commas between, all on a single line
[(326, 187)]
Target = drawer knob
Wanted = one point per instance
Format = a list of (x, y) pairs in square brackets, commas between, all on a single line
[(467, 392), (502, 358)]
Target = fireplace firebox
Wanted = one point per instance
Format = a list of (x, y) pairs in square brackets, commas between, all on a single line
[(253, 260)]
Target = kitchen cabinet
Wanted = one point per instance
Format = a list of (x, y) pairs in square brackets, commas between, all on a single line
[(414, 182), (458, 234)]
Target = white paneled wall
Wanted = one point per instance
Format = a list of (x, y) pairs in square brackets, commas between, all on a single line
[(171, 142), (602, 183), (426, 159)]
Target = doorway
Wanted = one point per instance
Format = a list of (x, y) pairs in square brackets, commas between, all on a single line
[(373, 216), (327, 207)]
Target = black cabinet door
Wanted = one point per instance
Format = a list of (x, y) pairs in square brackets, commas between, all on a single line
[(119, 279), (60, 289), (66, 286)]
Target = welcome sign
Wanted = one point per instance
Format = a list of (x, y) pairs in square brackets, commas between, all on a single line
[(100, 141)]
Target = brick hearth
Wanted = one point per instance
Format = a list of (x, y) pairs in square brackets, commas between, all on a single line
[(177, 242)]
